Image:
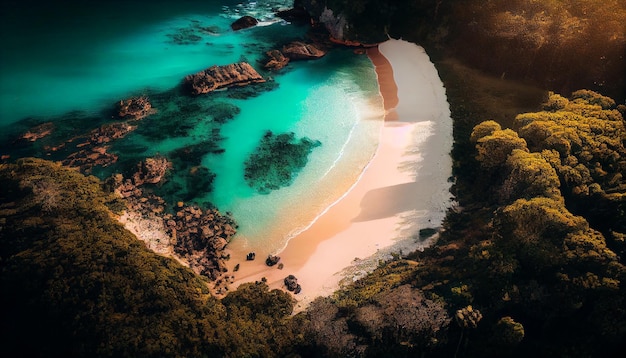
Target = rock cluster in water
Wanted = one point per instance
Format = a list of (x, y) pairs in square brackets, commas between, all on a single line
[(277, 160), (218, 77), (94, 151)]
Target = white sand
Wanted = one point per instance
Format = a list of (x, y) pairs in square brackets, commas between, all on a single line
[(404, 189)]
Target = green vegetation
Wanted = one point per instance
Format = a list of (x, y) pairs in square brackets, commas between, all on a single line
[(562, 45), (517, 269), (75, 283)]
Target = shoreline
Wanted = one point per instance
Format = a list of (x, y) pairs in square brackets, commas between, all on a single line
[(404, 188)]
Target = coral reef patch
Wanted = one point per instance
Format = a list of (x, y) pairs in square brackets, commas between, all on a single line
[(277, 160)]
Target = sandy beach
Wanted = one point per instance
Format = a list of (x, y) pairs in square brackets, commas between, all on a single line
[(405, 187)]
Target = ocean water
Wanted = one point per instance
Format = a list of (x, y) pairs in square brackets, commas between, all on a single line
[(69, 63)]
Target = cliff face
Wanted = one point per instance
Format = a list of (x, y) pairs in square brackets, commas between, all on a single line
[(354, 23), (558, 45)]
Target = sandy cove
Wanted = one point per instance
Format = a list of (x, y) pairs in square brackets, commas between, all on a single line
[(405, 187)]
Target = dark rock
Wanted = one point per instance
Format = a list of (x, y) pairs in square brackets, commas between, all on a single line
[(272, 260), (244, 23), (275, 60), (292, 284), (135, 108), (218, 77), (251, 256), (151, 170), (302, 51), (297, 15)]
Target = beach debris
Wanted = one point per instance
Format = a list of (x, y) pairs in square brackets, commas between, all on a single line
[(219, 77), (292, 284), (272, 260), (244, 23), (251, 256)]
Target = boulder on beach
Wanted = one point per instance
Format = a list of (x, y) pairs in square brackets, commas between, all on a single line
[(244, 23), (219, 77), (272, 260)]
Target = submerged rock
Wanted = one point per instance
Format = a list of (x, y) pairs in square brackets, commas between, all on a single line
[(38, 132), (277, 160), (244, 23), (219, 77)]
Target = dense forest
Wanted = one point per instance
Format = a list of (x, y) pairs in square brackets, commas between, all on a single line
[(530, 262)]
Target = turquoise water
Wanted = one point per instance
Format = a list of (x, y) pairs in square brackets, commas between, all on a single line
[(70, 64)]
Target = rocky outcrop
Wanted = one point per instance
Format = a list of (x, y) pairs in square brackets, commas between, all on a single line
[(134, 108), (200, 237), (250, 256), (302, 51), (219, 77), (244, 23), (151, 170), (275, 60)]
